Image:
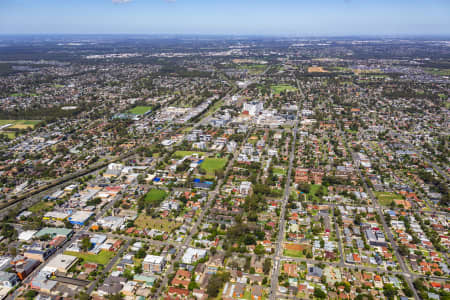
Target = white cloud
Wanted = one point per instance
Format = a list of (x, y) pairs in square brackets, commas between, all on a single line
[(121, 1)]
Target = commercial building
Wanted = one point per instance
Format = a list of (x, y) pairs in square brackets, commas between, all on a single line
[(55, 216), (153, 263), (80, 217), (8, 279), (23, 269), (40, 255), (54, 232), (61, 263)]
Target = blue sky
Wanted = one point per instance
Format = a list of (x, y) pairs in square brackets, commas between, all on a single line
[(285, 17)]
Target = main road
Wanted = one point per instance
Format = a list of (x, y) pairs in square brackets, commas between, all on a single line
[(282, 221)]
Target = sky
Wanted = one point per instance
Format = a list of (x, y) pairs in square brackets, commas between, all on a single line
[(240, 17)]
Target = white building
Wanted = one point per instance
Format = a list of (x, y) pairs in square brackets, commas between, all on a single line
[(192, 255), (245, 187), (26, 235), (111, 222), (113, 170), (253, 108)]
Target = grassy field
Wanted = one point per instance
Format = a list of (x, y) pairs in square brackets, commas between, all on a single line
[(277, 89), (213, 108), (292, 253), (439, 72), (144, 221), (23, 95), (155, 195), (10, 135), (140, 110), (20, 124), (103, 257), (253, 68), (40, 206), (314, 189), (279, 171), (385, 198), (181, 154), (212, 164)]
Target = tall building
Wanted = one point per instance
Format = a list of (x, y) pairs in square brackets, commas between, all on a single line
[(253, 108)]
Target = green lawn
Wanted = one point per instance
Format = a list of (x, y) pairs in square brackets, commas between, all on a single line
[(4, 122), (155, 195), (279, 171), (385, 198), (277, 89), (212, 164), (181, 154), (103, 257), (140, 110), (187, 129), (40, 206)]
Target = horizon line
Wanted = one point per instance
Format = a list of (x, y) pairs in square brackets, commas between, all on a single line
[(398, 35)]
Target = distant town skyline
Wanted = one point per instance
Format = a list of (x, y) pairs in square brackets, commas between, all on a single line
[(264, 17)]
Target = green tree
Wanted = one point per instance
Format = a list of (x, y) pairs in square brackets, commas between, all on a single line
[(86, 243), (83, 296), (318, 293), (389, 291), (118, 296), (267, 265)]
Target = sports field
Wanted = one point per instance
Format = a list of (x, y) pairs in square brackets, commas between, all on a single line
[(316, 70), (181, 154), (140, 110), (212, 164), (19, 124)]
